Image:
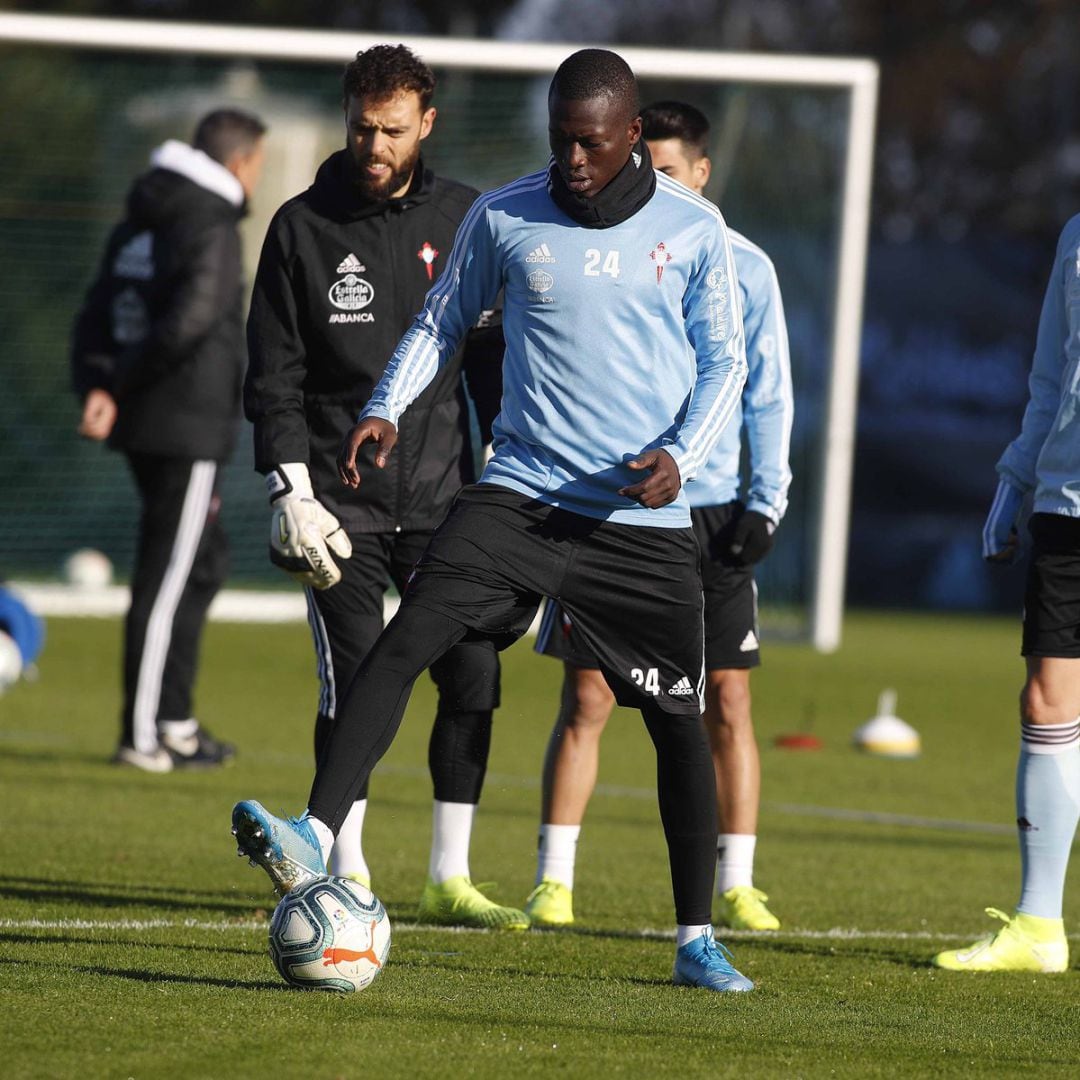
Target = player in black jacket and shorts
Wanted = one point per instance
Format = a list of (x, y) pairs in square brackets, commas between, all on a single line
[(344, 268), (158, 361)]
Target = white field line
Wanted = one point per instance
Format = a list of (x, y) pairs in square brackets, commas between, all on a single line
[(836, 933)]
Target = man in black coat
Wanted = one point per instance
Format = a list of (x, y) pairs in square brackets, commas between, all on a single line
[(158, 361), (344, 268)]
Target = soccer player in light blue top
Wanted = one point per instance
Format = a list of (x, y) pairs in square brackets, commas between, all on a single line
[(733, 536), (624, 362), (1045, 459)]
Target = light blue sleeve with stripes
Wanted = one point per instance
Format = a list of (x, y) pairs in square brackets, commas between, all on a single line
[(712, 308), (1045, 456), (768, 403), (468, 286)]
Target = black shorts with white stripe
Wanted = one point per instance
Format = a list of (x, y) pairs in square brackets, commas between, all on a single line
[(1052, 595)]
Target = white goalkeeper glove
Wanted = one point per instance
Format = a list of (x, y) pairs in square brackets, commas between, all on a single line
[(302, 531), (1001, 537)]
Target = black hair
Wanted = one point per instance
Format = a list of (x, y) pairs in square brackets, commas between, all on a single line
[(224, 132), (676, 120), (387, 70), (592, 73)]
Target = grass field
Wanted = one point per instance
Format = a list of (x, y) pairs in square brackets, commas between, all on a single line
[(133, 942)]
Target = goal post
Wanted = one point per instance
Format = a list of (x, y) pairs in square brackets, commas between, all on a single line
[(856, 80)]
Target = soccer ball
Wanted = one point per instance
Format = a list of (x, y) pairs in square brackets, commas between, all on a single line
[(88, 569), (330, 934)]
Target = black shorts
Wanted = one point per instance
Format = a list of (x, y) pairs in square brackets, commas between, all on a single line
[(633, 592), (1052, 596), (731, 625)]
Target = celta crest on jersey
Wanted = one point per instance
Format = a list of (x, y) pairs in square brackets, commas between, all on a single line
[(427, 255), (661, 256), (136, 258), (351, 265)]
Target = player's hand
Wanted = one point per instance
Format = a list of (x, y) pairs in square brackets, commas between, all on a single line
[(98, 415), (662, 484), (303, 532), (751, 538), (1001, 537), (370, 429)]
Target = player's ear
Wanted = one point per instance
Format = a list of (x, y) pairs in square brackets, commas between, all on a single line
[(634, 132), (702, 172), (427, 121)]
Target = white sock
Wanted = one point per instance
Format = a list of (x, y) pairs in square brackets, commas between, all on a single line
[(734, 860), (683, 934), (348, 854), (556, 853), (323, 833), (179, 729), (451, 831)]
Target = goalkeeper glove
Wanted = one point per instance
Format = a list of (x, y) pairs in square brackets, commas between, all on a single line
[(302, 531), (751, 537), (1001, 538)]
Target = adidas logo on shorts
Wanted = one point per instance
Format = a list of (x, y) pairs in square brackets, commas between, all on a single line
[(682, 687)]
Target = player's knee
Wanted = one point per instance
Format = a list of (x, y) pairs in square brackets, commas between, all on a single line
[(1039, 705), (730, 695), (467, 678), (587, 700)]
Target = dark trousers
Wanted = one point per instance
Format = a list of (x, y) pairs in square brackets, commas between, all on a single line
[(345, 622), (181, 562)]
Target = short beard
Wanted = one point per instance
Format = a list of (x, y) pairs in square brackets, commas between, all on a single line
[(382, 190)]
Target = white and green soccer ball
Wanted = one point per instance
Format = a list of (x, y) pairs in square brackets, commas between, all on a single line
[(330, 934), (88, 569)]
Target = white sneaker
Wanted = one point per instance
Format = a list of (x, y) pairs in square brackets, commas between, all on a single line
[(160, 761)]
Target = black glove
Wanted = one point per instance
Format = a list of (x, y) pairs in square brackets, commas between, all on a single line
[(751, 538)]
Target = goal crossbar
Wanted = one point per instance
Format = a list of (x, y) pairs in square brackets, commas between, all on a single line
[(858, 76)]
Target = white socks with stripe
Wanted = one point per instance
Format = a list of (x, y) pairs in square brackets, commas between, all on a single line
[(451, 831), (734, 860), (556, 853), (1047, 811)]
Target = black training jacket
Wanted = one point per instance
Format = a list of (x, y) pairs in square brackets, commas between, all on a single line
[(161, 328), (340, 280)]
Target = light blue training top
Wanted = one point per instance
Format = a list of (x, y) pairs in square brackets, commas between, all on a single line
[(618, 340), (1046, 454), (766, 409)]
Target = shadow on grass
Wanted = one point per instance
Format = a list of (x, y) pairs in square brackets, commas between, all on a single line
[(39, 756), (139, 975), (32, 938), (116, 894)]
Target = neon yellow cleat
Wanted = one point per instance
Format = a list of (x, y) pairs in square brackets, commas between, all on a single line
[(551, 903), (458, 902), (360, 879), (743, 908), (1025, 943)]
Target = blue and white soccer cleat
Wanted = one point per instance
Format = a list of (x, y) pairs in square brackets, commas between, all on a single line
[(286, 848), (705, 962)]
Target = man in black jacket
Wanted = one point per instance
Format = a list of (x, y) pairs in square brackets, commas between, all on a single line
[(158, 360), (344, 268)]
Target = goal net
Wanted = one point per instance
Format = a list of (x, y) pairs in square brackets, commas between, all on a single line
[(85, 101)]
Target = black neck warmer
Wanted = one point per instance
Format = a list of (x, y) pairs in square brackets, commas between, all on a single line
[(622, 197)]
